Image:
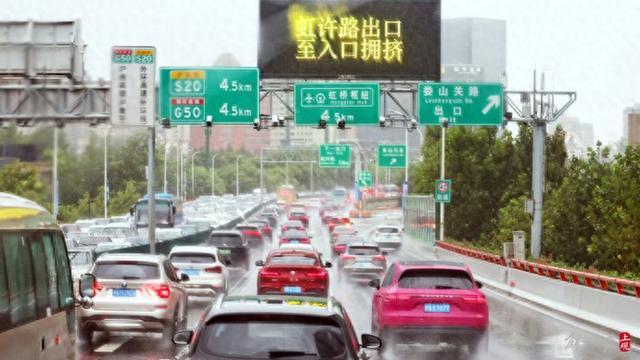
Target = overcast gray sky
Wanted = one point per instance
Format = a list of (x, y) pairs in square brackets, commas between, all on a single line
[(590, 46)]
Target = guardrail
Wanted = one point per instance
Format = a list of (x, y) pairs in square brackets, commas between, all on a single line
[(595, 281)]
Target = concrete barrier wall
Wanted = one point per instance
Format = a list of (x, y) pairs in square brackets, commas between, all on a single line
[(604, 309)]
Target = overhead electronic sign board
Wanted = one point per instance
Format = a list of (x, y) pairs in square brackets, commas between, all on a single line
[(350, 39)]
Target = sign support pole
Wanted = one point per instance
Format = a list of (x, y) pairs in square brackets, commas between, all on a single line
[(150, 191), (442, 158)]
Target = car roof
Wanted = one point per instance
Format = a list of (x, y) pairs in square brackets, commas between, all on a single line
[(432, 264), (194, 249), (294, 232), (389, 226), (292, 252), (226, 232), (131, 256), (275, 304), (246, 225), (363, 244), (293, 222)]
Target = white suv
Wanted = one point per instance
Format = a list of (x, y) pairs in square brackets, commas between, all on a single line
[(135, 292), (388, 236), (207, 273)]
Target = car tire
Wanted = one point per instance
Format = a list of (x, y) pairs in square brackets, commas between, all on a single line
[(85, 333), (170, 328), (480, 345)]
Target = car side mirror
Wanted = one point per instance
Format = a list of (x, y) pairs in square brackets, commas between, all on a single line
[(183, 337), (328, 264), (260, 263), (370, 341), (184, 277), (479, 285), (86, 285), (375, 283)]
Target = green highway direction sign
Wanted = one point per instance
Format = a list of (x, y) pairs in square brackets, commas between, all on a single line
[(334, 156), (443, 191), (474, 104), (392, 156), (354, 102), (190, 96), (365, 179)]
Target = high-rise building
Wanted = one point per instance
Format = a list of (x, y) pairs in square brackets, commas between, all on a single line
[(474, 49), (579, 135), (631, 125)]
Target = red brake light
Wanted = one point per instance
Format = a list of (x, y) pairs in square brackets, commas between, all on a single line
[(267, 273), (97, 287), (379, 258), (161, 290), (475, 299), (318, 274), (346, 257), (215, 269)]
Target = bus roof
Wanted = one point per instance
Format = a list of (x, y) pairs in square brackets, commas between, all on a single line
[(20, 213)]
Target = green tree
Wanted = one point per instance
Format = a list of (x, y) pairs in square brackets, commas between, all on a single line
[(21, 179)]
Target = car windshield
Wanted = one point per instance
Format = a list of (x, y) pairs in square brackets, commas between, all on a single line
[(435, 279), (363, 250), (193, 258), (80, 258), (388, 230), (273, 337), (225, 240), (293, 260), (126, 270)]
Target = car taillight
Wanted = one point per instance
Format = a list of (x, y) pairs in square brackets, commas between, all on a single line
[(474, 299), (267, 273), (214, 270), (341, 248), (395, 298), (379, 258), (97, 287), (161, 290), (319, 275)]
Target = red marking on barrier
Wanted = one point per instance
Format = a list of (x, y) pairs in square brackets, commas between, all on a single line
[(624, 341), (512, 283)]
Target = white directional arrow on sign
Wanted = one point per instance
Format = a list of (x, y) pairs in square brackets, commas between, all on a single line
[(494, 101), (309, 99), (393, 161)]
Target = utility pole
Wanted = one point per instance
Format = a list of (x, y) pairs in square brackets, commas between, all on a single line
[(443, 140), (537, 108), (238, 174), (54, 184), (213, 173), (150, 190), (105, 185)]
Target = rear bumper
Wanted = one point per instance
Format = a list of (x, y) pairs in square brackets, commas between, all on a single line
[(433, 335), (205, 287), (369, 273), (388, 244), (126, 320), (322, 292)]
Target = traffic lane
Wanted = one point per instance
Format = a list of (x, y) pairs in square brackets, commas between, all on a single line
[(130, 345), (519, 330)]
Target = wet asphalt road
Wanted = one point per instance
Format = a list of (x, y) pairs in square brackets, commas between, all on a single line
[(517, 329)]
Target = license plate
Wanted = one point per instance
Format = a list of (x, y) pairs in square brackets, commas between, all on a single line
[(437, 308), (364, 264), (294, 242), (224, 252), (124, 293), (292, 290), (191, 271)]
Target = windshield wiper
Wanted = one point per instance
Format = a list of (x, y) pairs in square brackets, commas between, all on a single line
[(279, 354)]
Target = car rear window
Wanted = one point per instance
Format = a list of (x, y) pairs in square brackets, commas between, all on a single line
[(126, 270), (246, 227), (388, 230), (225, 240), (293, 260), (193, 258), (258, 336), (435, 279), (363, 250)]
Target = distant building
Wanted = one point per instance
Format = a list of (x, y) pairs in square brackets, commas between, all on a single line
[(579, 135), (631, 125), (474, 49)]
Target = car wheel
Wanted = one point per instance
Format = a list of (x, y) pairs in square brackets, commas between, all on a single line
[(170, 328), (85, 333), (479, 345)]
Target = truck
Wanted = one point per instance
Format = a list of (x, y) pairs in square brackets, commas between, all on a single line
[(165, 214)]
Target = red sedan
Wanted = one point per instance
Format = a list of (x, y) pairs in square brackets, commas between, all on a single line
[(293, 272)]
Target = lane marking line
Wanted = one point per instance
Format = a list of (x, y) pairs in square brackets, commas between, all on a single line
[(112, 345)]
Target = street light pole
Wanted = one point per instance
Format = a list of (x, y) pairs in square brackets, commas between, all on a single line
[(213, 173), (193, 178), (262, 175), (238, 174), (165, 184), (105, 184), (54, 184), (442, 158)]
